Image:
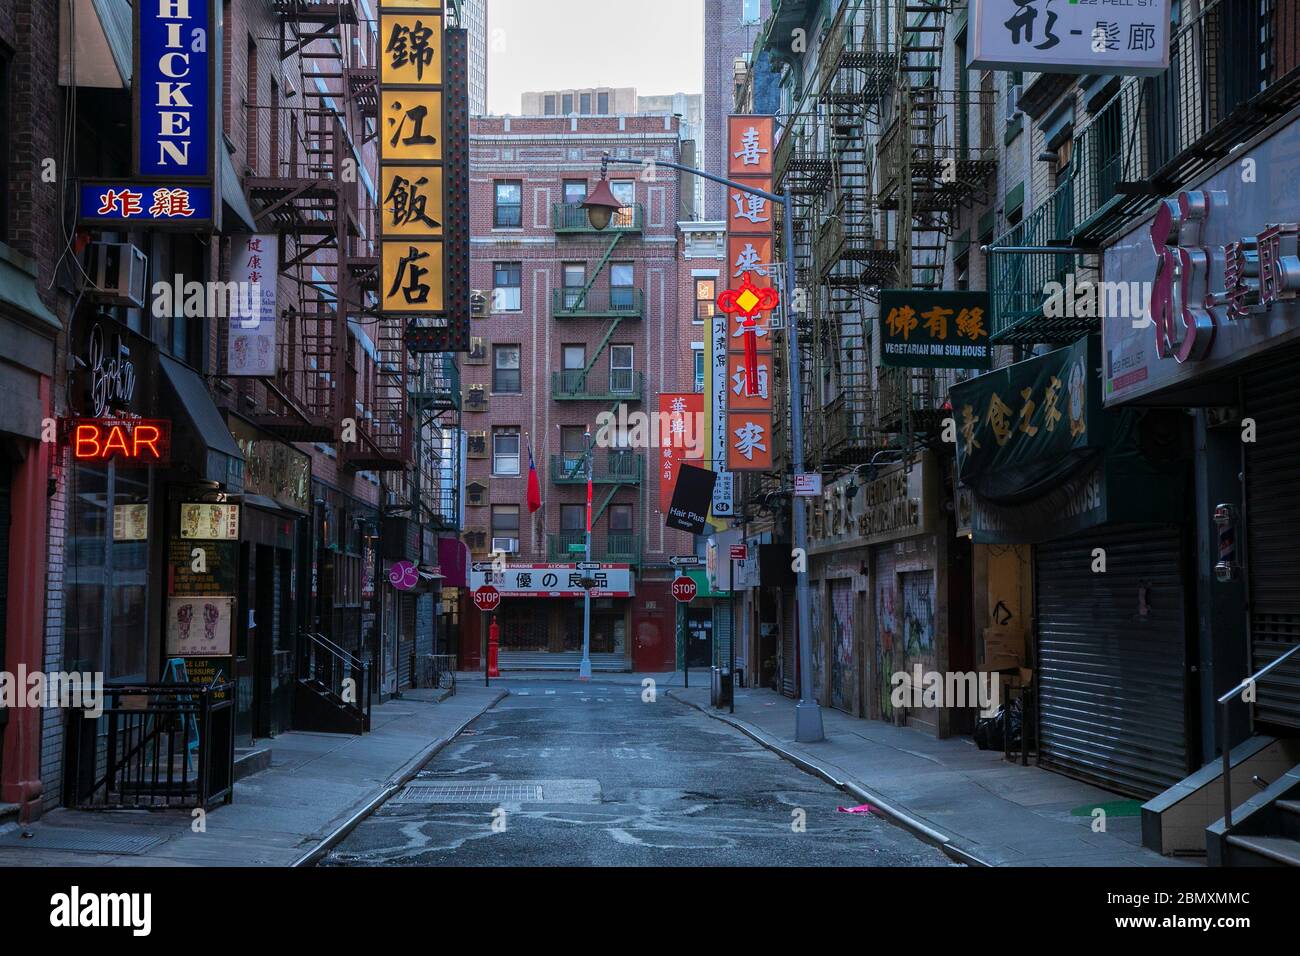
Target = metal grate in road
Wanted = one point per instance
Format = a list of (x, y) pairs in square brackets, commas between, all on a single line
[(495, 793), (86, 841)]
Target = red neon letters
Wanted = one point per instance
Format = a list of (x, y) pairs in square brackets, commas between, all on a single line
[(143, 442)]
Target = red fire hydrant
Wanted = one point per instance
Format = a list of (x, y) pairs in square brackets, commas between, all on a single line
[(494, 638)]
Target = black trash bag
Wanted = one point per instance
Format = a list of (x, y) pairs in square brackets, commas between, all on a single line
[(991, 732)]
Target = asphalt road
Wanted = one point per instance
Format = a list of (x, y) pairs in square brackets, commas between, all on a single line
[(622, 782)]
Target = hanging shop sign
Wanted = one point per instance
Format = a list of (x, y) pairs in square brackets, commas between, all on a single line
[(251, 340), (899, 503), (1024, 426), (205, 520), (272, 468), (114, 372), (934, 329), (689, 508), (680, 414), (1222, 266), (175, 140), (749, 296), (1069, 36), (424, 175), (555, 581), (715, 386), (138, 442)]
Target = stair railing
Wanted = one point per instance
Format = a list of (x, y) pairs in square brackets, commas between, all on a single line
[(1225, 736), (326, 663)]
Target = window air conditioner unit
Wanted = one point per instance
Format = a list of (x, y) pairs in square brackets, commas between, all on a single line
[(1013, 101), (506, 545), (117, 270)]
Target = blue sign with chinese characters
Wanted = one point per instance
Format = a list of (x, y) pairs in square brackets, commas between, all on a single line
[(155, 204), (173, 86)]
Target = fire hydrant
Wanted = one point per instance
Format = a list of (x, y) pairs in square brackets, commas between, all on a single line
[(494, 638)]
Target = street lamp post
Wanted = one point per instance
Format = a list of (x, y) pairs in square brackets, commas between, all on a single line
[(600, 205), (584, 669)]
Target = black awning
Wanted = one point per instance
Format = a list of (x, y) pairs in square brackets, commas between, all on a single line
[(201, 442)]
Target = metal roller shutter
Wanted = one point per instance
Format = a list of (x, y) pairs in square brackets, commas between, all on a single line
[(6, 477), (1273, 537), (789, 622), (1111, 677)]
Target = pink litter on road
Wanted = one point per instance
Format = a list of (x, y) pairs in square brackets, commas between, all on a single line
[(861, 808)]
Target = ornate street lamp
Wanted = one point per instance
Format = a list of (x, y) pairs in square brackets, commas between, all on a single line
[(600, 202)]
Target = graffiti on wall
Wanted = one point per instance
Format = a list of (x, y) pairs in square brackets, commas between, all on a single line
[(844, 689), (886, 640), (918, 618), (818, 646)]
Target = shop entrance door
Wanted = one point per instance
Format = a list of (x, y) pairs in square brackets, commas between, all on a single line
[(699, 637), (261, 628)]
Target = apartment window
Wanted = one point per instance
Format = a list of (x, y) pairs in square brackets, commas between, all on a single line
[(573, 445), (549, 104), (748, 11), (621, 295), (574, 357), (575, 278), (573, 518), (505, 451), (602, 104), (697, 354), (505, 286), (505, 521), (706, 296), (620, 519), (505, 369), (575, 191), (584, 104), (508, 211), (1064, 157), (624, 191), (567, 104), (620, 369)]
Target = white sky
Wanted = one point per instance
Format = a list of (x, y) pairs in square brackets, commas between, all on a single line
[(656, 46)]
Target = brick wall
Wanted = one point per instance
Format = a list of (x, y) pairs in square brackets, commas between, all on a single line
[(725, 39)]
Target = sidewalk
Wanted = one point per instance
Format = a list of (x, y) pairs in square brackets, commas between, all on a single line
[(316, 784), (979, 808)]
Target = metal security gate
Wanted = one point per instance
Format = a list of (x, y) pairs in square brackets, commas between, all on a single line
[(789, 622), (1112, 653), (6, 478), (1273, 537)]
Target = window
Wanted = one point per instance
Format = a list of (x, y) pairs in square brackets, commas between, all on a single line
[(574, 357), (505, 451), (621, 294), (697, 353), (575, 191), (549, 104), (705, 300), (505, 286), (505, 521), (575, 278), (508, 211), (573, 518), (624, 191), (602, 104), (584, 104), (573, 446), (1064, 156), (567, 104), (620, 519), (620, 369), (748, 11), (505, 369)]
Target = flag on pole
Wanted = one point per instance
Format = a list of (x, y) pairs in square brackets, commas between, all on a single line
[(534, 485)]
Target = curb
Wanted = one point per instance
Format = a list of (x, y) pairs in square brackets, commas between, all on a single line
[(897, 816), (404, 776)]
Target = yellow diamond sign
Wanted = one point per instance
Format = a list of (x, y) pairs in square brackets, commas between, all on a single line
[(746, 300)]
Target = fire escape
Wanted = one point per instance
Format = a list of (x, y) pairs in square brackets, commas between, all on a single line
[(341, 367), (926, 170)]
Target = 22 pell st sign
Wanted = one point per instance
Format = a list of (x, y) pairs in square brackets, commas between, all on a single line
[(1071, 36)]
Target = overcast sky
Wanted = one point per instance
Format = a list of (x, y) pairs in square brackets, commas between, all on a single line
[(656, 46)]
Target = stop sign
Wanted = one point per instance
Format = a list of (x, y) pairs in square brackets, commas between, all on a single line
[(683, 589), (487, 598)]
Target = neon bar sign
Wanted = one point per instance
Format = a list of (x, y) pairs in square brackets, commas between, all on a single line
[(127, 441)]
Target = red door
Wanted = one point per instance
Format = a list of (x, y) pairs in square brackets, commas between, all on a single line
[(654, 628)]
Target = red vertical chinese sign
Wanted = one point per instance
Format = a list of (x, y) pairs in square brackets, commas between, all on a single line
[(681, 438)]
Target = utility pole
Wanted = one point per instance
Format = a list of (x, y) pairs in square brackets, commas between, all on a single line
[(584, 670)]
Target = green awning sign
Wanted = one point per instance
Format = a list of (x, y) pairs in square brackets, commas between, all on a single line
[(1022, 428), (934, 329)]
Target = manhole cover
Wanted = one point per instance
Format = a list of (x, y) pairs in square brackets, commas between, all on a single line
[(88, 841)]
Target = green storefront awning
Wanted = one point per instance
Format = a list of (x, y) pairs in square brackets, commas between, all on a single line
[(18, 288), (702, 590)]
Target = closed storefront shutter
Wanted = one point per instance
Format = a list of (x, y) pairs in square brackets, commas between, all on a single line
[(844, 664), (406, 647), (1112, 658), (1273, 538), (5, 476), (886, 643), (789, 621)]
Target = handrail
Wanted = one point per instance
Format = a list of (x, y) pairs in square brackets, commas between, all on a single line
[(336, 650), (1225, 738)]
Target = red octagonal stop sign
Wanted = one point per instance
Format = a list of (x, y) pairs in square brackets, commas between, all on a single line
[(487, 598), (683, 589)]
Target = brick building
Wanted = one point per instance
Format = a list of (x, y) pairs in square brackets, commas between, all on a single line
[(574, 323), (730, 29)]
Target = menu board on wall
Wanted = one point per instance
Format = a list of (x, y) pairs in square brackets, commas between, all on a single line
[(218, 563)]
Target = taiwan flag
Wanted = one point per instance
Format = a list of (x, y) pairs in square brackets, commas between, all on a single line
[(534, 485)]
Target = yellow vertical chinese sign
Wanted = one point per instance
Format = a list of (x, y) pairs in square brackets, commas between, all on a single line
[(411, 211)]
